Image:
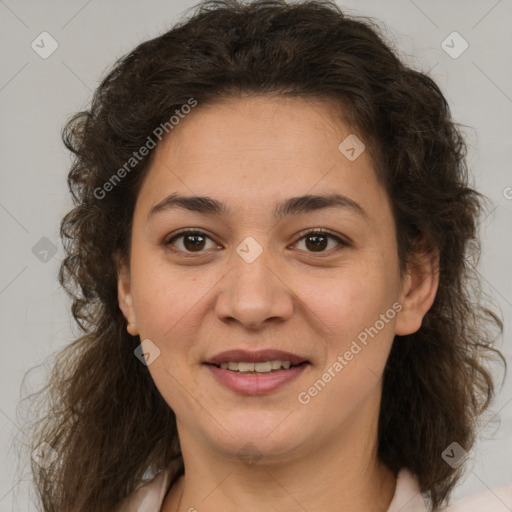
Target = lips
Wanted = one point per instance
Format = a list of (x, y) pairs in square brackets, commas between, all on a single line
[(256, 384), (256, 357)]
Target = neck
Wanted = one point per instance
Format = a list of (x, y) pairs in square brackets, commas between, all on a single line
[(311, 479)]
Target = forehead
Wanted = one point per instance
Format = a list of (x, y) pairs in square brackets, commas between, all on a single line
[(267, 127), (249, 151)]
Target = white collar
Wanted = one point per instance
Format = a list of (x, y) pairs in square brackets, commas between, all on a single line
[(407, 496)]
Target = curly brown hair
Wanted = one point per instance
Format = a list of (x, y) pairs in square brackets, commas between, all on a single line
[(106, 419)]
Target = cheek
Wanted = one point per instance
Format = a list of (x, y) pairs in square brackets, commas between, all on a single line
[(356, 343), (357, 319), (167, 308), (350, 299), (164, 296)]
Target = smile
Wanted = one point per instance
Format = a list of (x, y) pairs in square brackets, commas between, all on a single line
[(256, 378)]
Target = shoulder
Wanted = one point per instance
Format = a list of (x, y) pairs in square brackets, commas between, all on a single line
[(150, 496), (408, 498), (498, 499)]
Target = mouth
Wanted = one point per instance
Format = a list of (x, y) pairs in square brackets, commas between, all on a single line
[(260, 368), (256, 372), (247, 378), (262, 360)]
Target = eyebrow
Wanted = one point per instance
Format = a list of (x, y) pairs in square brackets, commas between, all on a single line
[(292, 206)]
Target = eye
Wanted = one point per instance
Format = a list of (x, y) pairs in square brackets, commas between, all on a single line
[(194, 241), (316, 240)]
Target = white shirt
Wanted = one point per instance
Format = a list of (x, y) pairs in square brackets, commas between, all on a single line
[(407, 497)]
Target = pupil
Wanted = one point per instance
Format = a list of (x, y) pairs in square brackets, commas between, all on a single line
[(194, 245), (316, 244)]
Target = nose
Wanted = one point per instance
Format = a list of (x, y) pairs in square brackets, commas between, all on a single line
[(254, 294)]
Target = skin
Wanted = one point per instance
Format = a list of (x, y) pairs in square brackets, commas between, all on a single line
[(251, 153)]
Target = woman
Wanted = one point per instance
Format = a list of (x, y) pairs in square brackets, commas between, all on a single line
[(269, 258)]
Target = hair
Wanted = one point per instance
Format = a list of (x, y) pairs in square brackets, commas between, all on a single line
[(106, 419)]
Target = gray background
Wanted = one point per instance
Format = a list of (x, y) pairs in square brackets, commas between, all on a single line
[(37, 95)]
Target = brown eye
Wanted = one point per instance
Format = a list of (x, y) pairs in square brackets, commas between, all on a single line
[(195, 242), (317, 241), (192, 241)]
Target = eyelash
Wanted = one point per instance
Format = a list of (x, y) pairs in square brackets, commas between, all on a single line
[(183, 233)]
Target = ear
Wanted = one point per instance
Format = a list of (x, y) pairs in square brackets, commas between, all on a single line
[(124, 295), (418, 292)]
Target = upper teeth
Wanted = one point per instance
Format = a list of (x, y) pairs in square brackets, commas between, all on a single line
[(267, 366)]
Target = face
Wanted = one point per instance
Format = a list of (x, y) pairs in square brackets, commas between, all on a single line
[(251, 280)]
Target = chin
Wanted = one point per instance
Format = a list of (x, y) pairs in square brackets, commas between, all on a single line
[(252, 439)]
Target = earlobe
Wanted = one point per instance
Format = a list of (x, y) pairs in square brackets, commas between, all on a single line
[(125, 297), (418, 293)]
